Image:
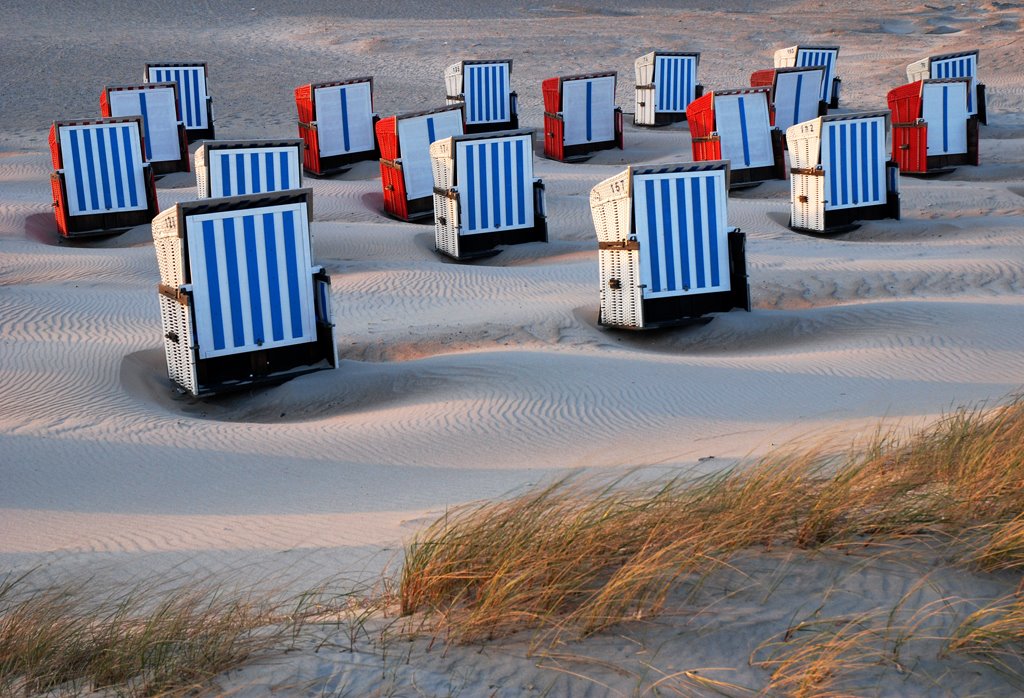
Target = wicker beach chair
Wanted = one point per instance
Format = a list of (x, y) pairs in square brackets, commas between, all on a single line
[(580, 115), (840, 172), (666, 83), (485, 88), (962, 64), (241, 301), (485, 193), (825, 56), (405, 170), (795, 94), (195, 103), (336, 123), (164, 136), (102, 182), (733, 125), (933, 130), (235, 168), (666, 253)]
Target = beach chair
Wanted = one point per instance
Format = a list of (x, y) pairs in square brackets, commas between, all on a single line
[(163, 134), (235, 168), (933, 132), (733, 125), (580, 115), (795, 94), (839, 172), (666, 82), (241, 301), (485, 193), (102, 182), (405, 169), (666, 252), (962, 64), (485, 88), (195, 104), (336, 122), (826, 56)]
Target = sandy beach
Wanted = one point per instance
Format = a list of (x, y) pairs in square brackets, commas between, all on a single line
[(465, 382)]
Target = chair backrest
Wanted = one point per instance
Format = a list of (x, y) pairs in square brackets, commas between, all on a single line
[(235, 169), (588, 108), (251, 276), (487, 89), (103, 165), (853, 155), (959, 65), (803, 56), (157, 104), (680, 219), (675, 81), (944, 108), (192, 90), (797, 94), (415, 134), (494, 175), (741, 119), (344, 116)]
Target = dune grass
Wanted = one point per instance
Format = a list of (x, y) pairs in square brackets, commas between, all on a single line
[(576, 556)]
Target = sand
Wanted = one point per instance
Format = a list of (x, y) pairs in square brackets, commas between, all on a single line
[(462, 382)]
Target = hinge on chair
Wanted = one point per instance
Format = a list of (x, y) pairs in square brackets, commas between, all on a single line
[(802, 198), (389, 187), (619, 245)]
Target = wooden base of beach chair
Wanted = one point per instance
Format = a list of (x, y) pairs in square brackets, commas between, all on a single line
[(554, 140), (320, 166), (509, 125)]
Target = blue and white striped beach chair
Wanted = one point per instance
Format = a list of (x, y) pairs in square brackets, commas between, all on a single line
[(235, 168), (102, 182), (241, 300), (962, 64), (580, 115), (666, 252), (485, 87), (666, 83), (733, 125), (805, 56), (195, 103), (485, 193), (336, 122), (164, 138), (840, 172)]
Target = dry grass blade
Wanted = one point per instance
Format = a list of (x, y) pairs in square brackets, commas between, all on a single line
[(994, 635)]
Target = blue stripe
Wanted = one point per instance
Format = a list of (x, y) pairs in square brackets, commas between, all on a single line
[(269, 164), (240, 173), (590, 109), (712, 200), (213, 284), (501, 94), (496, 184), (196, 103), (115, 153), (273, 280), (185, 93), (101, 145), (866, 164), (482, 152), (843, 184), (470, 188), (799, 86), (698, 232), (684, 247), (666, 212), (76, 164), (344, 119), (508, 182), (253, 269), (874, 153), (652, 235), (234, 283), (291, 260), (254, 168), (145, 124), (854, 163), (521, 182), (91, 167), (129, 163), (431, 134), (225, 175), (286, 182), (945, 118), (743, 132), (833, 164)]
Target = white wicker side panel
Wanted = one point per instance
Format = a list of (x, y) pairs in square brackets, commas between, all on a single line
[(202, 174), (644, 69), (179, 343), (919, 70), (444, 172), (785, 57), (453, 81), (168, 248), (446, 224), (621, 306), (808, 201), (611, 207)]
